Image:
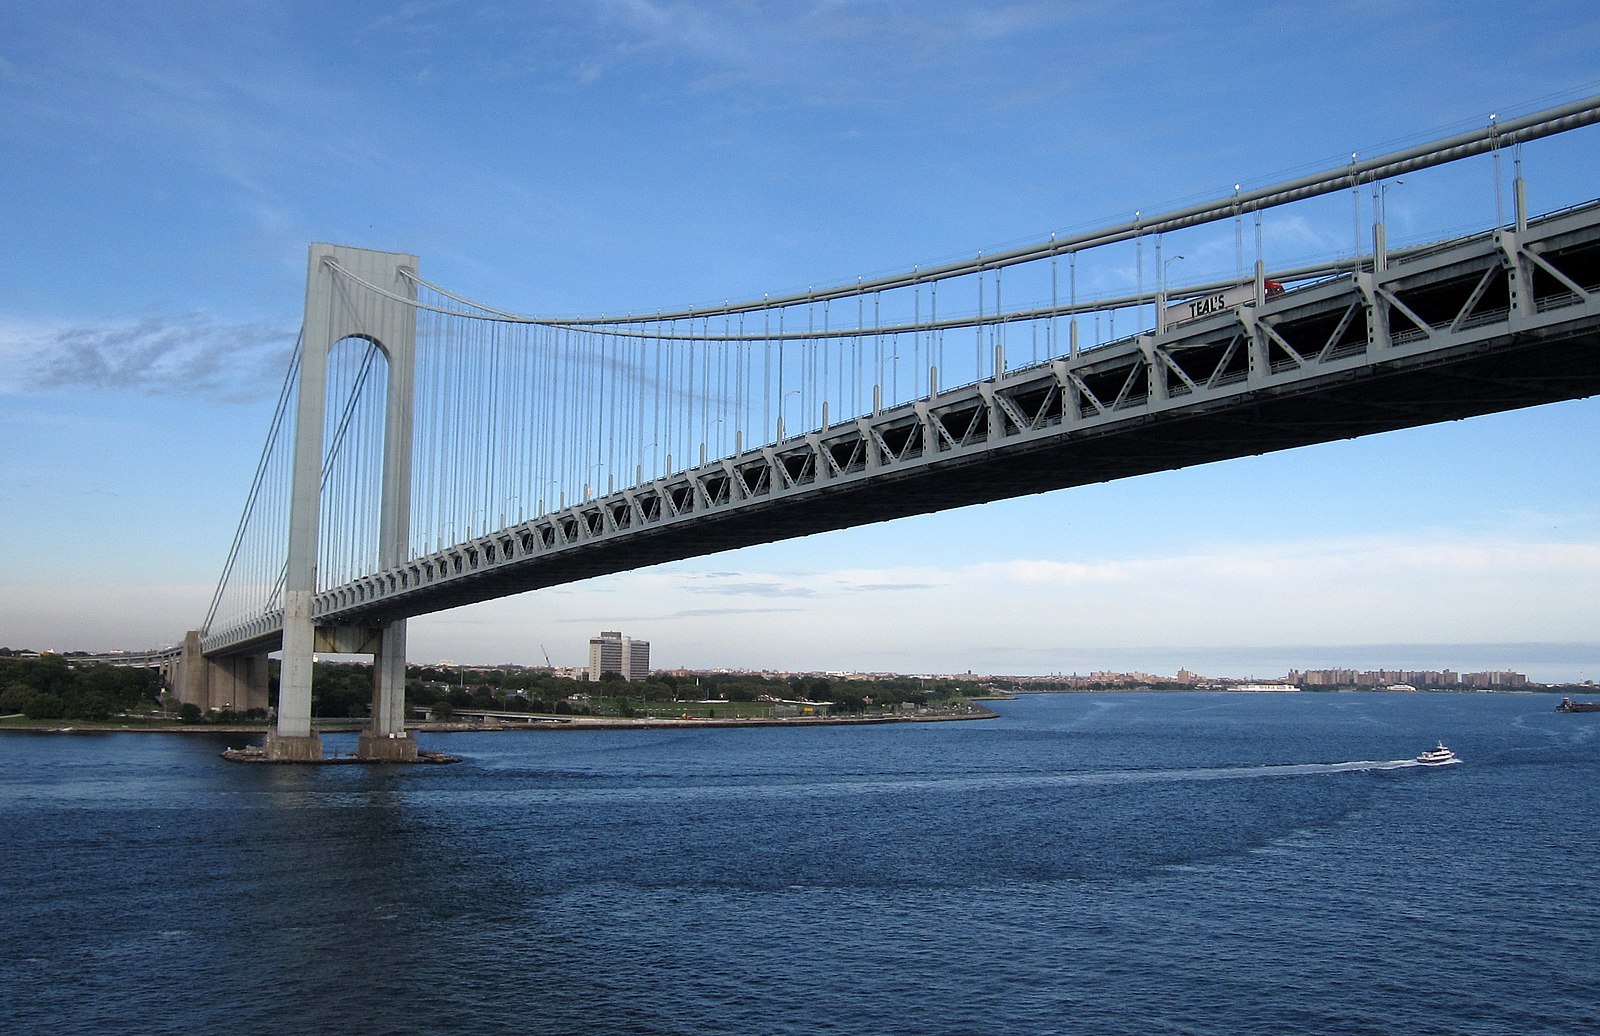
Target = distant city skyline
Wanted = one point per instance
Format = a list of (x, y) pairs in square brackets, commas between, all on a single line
[(167, 175), (630, 657)]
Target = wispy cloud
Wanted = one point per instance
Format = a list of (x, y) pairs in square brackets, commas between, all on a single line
[(755, 54), (892, 587), (194, 356), (743, 586), (806, 586), (611, 620), (748, 588)]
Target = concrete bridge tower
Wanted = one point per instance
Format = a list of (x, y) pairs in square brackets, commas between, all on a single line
[(339, 308)]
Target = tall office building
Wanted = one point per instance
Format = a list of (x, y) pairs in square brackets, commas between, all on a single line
[(611, 652)]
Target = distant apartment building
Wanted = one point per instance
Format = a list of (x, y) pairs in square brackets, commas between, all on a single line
[(1483, 681), (1405, 679), (611, 652)]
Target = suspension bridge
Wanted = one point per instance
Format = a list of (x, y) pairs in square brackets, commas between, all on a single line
[(430, 451)]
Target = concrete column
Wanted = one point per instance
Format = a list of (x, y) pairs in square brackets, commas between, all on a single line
[(237, 682), (189, 676), (294, 676), (385, 739), (389, 681)]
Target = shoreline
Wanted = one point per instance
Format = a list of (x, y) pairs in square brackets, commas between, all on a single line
[(539, 723)]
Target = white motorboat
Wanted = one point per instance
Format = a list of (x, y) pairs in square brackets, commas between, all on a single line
[(1440, 756)]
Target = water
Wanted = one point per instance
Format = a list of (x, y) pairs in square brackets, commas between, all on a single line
[(1188, 863)]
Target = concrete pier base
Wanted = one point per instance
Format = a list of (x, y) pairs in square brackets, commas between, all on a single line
[(280, 748), (386, 748)]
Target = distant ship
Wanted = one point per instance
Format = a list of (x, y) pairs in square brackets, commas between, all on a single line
[(1440, 756), (1568, 705)]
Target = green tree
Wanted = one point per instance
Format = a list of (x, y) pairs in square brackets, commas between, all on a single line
[(655, 690), (49, 674), (45, 706), (15, 698), (420, 693), (124, 687), (849, 701), (91, 706), (52, 674), (339, 687)]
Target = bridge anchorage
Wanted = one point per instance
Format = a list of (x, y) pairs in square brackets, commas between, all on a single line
[(430, 452)]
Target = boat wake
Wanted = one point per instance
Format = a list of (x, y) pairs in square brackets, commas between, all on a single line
[(1105, 778), (880, 784), (1235, 773), (1113, 778)]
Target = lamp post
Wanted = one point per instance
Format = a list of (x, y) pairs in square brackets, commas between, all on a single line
[(639, 477), (782, 404), (1380, 220), (1161, 295), (1383, 199)]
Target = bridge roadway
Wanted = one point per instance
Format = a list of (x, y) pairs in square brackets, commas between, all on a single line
[(1477, 325)]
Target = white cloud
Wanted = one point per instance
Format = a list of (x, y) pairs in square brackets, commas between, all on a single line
[(194, 355)]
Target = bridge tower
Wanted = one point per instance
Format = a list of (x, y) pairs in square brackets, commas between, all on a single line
[(337, 309)]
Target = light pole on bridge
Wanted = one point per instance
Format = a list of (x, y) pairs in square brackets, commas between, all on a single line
[(1161, 295), (782, 406), (652, 447), (1380, 223)]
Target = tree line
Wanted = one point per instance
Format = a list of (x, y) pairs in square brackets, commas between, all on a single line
[(532, 690), (58, 687), (50, 687)]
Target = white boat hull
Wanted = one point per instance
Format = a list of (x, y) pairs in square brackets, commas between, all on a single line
[(1440, 756)]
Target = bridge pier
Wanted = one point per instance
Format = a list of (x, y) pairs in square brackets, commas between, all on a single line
[(386, 748), (284, 748), (294, 740), (236, 683), (385, 740)]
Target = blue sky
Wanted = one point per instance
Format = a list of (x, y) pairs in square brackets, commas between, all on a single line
[(168, 164)]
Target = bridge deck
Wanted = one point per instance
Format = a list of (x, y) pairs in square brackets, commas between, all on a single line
[(1484, 324)]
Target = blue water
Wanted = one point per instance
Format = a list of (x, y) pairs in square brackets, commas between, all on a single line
[(1188, 863)]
